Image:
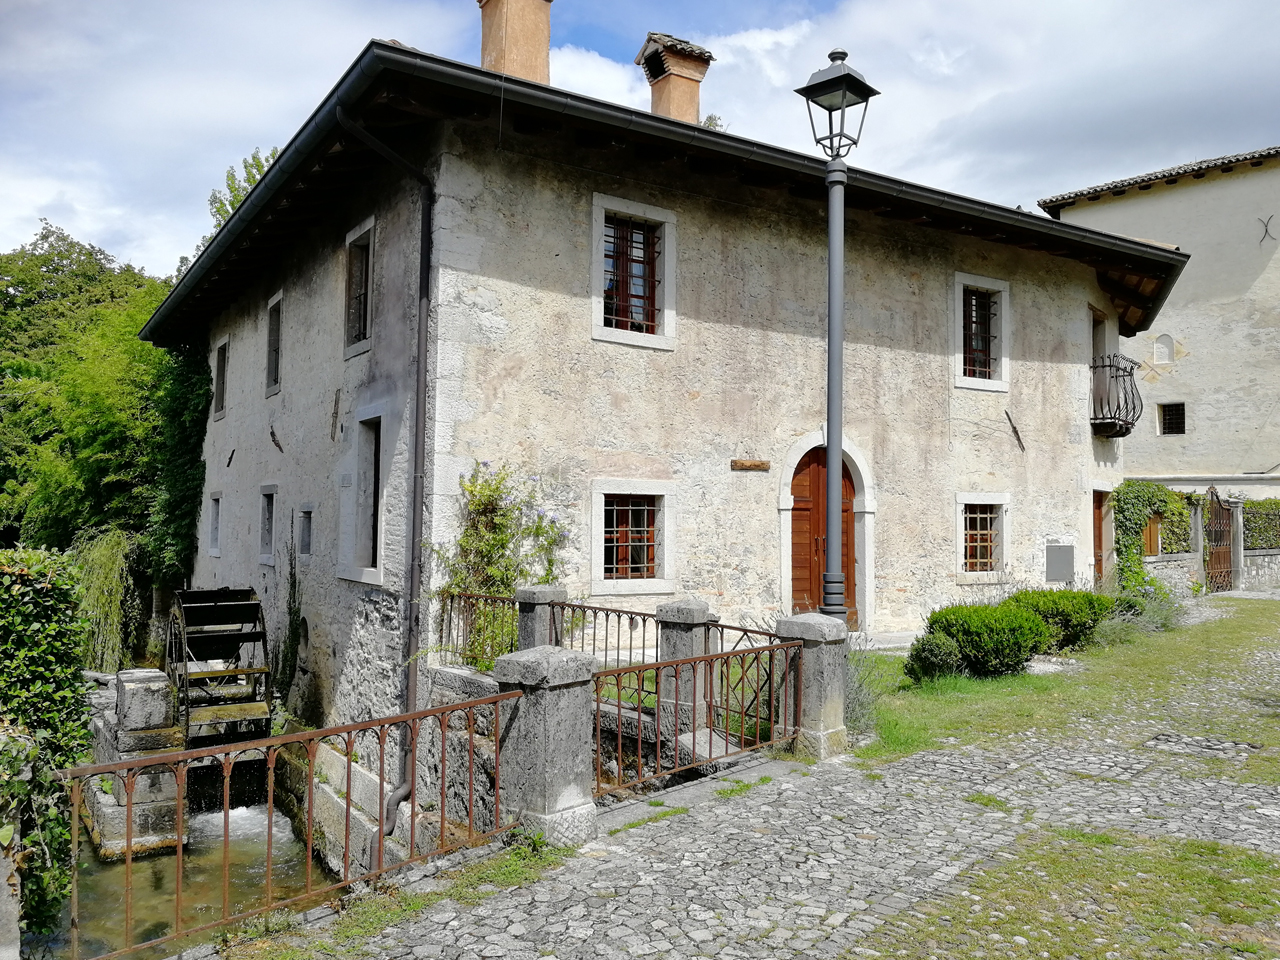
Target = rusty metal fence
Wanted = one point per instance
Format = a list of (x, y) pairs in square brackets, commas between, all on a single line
[(624, 637), (656, 719), (476, 629), (467, 810)]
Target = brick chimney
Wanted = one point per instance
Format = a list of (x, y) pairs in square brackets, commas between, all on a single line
[(515, 38), (674, 69)]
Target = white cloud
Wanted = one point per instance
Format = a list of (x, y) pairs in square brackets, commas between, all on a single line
[(587, 72)]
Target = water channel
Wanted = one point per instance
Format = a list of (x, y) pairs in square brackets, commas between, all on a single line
[(102, 885)]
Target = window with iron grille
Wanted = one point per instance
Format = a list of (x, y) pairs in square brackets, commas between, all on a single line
[(359, 270), (981, 321), (1173, 418), (267, 527), (273, 347), (630, 274), (631, 537), (981, 537)]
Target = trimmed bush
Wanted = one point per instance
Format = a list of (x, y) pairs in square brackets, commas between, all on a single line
[(992, 640), (933, 655), (1070, 615)]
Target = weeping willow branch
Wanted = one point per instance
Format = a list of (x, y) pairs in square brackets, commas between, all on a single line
[(106, 593)]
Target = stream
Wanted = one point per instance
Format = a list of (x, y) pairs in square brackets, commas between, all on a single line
[(101, 886)]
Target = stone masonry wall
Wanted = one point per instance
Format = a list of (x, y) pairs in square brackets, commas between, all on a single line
[(1261, 570), (1177, 571)]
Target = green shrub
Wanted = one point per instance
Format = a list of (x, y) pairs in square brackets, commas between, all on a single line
[(933, 655), (993, 640), (42, 643), (1071, 615)]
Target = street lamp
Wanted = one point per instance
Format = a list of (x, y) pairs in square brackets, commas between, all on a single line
[(834, 90)]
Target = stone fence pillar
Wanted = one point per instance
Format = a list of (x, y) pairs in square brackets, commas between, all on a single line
[(547, 742), (824, 674), (682, 633), (1197, 539), (1237, 543), (534, 602)]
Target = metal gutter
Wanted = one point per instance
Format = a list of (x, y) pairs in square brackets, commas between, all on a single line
[(379, 57)]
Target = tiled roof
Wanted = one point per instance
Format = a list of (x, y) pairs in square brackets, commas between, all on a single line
[(668, 42), (1183, 170)]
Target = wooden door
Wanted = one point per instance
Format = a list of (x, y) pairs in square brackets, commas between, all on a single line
[(808, 534), (1099, 552)]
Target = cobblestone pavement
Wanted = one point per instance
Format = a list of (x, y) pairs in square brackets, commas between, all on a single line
[(809, 862)]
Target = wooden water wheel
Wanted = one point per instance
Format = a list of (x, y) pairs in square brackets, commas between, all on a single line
[(216, 657)]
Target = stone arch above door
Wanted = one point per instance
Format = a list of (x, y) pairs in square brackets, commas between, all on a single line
[(864, 510)]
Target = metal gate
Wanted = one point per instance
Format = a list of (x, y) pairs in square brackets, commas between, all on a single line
[(1218, 572)]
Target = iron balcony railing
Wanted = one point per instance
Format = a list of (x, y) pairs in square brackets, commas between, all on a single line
[(1116, 402)]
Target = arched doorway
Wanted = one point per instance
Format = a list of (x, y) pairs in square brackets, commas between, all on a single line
[(808, 533)]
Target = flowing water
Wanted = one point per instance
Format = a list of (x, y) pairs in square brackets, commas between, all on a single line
[(102, 885)]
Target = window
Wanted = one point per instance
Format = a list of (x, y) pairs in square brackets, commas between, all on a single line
[(633, 274), (630, 274), (981, 532), (630, 538), (982, 331), (267, 527), (981, 537), (369, 493), (304, 532), (359, 273), (273, 346), (1173, 419), (215, 522), (979, 333), (220, 380)]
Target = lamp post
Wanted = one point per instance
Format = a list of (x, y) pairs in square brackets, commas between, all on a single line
[(833, 90)]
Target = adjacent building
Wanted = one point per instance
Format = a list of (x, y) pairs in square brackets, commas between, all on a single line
[(1209, 362), (450, 264)]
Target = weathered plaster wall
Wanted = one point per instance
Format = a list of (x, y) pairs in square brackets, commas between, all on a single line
[(1223, 318), (349, 669), (521, 380)]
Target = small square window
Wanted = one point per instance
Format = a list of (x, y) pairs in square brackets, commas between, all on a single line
[(304, 533), (631, 538), (981, 537), (359, 271), (630, 274), (267, 529), (981, 329), (273, 347), (220, 380), (1173, 419)]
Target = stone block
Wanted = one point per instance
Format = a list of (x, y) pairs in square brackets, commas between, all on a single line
[(144, 700), (824, 676), (534, 618), (543, 667), (688, 611)]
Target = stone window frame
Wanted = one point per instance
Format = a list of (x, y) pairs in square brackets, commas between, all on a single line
[(1004, 336), (308, 508), (1001, 575), (665, 492), (350, 510), (223, 344), (272, 490), (665, 220), (213, 532), (368, 225), (273, 388)]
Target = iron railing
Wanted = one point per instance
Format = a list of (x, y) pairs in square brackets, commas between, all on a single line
[(657, 719), (1117, 405), (476, 629), (622, 636), (468, 729)]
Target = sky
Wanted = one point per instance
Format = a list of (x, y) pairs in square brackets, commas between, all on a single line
[(118, 117)]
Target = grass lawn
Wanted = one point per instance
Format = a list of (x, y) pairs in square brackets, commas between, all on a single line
[(1091, 895), (1171, 675)]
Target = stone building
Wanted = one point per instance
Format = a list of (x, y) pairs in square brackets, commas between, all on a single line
[(449, 264), (1207, 377)]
